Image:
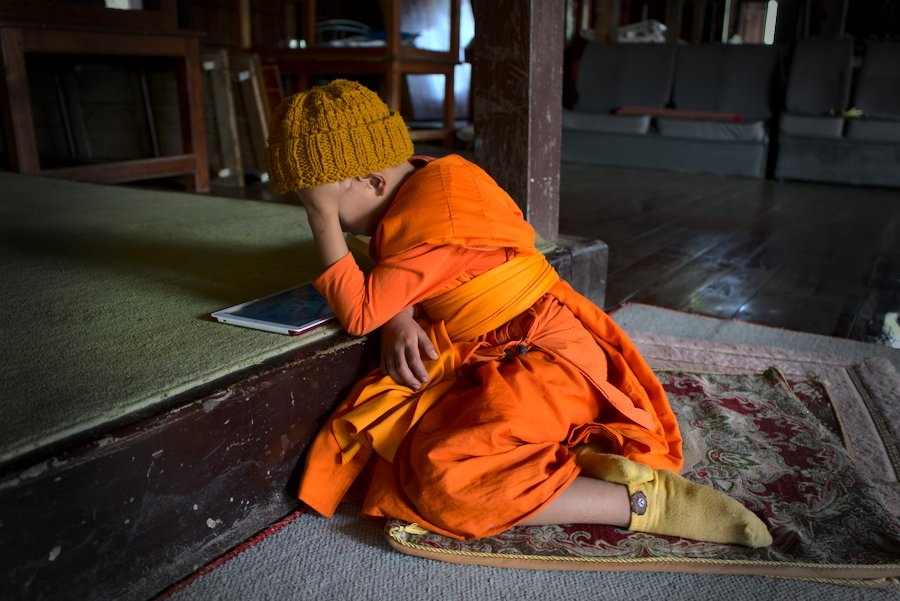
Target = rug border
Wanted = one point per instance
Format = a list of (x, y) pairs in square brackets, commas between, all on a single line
[(877, 415), (866, 576)]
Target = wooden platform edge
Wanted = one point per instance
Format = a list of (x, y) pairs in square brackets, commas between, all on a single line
[(583, 262), (128, 514)]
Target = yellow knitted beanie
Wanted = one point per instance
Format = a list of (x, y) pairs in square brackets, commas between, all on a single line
[(332, 133)]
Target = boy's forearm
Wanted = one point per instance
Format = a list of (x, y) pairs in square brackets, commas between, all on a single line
[(329, 238)]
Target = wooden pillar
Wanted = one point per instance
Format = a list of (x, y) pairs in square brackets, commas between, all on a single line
[(517, 98), (699, 19), (787, 27), (726, 21), (674, 17), (245, 24), (607, 18)]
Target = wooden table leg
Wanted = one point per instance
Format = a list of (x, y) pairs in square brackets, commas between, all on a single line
[(193, 127), (449, 113), (15, 104)]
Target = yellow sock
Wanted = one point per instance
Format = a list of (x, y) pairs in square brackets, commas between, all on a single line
[(662, 502), (612, 468)]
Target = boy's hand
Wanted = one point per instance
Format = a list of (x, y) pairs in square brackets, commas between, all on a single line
[(323, 200), (322, 204), (403, 342)]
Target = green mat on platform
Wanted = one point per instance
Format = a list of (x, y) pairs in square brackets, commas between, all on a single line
[(106, 293)]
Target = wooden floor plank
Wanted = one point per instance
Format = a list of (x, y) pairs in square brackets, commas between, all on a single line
[(802, 256), (695, 281)]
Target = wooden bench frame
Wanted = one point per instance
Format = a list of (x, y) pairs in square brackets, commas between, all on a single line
[(19, 39)]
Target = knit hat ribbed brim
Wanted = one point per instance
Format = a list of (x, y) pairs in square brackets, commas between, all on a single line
[(332, 133)]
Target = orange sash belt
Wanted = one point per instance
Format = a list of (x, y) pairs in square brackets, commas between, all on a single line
[(384, 411), (487, 302)]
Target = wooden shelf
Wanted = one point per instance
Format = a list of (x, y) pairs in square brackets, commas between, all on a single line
[(390, 63)]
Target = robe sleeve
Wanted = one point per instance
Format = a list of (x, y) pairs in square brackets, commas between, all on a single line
[(362, 303)]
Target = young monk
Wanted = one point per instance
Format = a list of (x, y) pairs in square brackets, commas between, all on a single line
[(504, 397)]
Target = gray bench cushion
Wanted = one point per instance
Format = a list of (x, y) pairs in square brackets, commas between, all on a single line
[(606, 123), (811, 127), (611, 75), (819, 77), (726, 78), (712, 130), (873, 130), (878, 88)]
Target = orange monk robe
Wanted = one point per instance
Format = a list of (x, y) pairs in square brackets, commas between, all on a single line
[(528, 368)]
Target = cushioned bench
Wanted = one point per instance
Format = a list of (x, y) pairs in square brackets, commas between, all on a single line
[(700, 108), (824, 134)]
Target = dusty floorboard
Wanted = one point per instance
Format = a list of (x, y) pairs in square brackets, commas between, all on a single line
[(809, 257)]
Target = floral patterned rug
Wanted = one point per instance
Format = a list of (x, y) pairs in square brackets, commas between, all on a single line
[(770, 439)]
